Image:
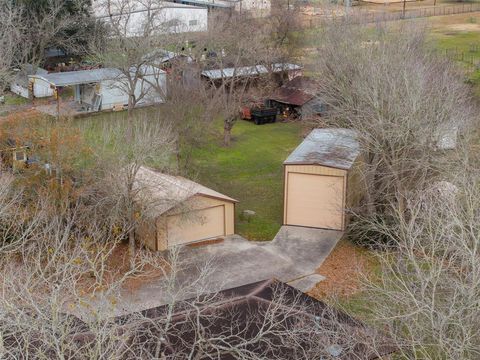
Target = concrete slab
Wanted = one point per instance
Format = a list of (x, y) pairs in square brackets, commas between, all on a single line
[(292, 256), (306, 283)]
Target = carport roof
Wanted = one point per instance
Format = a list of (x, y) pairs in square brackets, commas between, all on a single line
[(164, 192), (337, 148)]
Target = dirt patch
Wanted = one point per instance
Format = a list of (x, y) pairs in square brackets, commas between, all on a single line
[(117, 267), (343, 269), (464, 27)]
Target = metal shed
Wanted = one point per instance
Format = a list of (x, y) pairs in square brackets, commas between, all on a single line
[(180, 211), (321, 179)]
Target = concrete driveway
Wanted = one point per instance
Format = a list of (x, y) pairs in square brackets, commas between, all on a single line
[(292, 257)]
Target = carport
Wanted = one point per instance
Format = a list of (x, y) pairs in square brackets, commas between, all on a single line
[(180, 211), (321, 180)]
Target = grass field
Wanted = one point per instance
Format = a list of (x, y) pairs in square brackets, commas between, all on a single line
[(459, 37), (251, 172)]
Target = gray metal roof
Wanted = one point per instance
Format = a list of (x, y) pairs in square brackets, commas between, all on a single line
[(248, 71), (71, 78), (337, 148), (225, 5)]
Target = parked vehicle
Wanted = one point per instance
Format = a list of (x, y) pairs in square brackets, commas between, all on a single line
[(260, 115)]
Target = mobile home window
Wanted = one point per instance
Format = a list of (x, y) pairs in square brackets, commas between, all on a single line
[(20, 156), (193, 22)]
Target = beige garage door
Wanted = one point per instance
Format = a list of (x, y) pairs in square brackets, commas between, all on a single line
[(315, 201), (196, 225)]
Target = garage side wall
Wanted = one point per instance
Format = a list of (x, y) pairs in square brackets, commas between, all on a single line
[(313, 170), (146, 233), (355, 186), (161, 227), (41, 88)]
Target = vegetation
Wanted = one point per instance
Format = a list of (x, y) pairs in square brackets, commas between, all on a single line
[(251, 171), (64, 219)]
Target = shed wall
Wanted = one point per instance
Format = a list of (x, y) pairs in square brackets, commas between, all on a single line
[(41, 88), (146, 232), (19, 90), (322, 193), (195, 203)]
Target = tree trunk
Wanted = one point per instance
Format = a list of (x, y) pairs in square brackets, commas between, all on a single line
[(131, 220), (131, 247), (227, 135)]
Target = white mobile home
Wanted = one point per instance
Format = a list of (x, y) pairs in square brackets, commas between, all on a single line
[(164, 17), (105, 89)]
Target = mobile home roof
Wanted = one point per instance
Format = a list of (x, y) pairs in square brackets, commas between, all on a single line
[(71, 78), (248, 71)]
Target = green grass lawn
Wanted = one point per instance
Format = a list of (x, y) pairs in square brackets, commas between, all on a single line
[(250, 170), (13, 99), (459, 39)]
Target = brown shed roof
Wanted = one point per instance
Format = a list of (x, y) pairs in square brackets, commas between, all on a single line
[(297, 91), (164, 192)]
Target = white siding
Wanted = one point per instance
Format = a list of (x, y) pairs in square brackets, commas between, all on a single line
[(167, 17), (257, 8), (19, 90), (41, 88), (114, 92)]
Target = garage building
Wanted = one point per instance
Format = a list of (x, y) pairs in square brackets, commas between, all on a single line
[(322, 179), (180, 211)]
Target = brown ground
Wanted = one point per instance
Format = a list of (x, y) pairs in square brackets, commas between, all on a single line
[(343, 270), (117, 266)]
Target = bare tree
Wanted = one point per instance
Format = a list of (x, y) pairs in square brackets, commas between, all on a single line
[(134, 34), (11, 28), (151, 143), (232, 45), (387, 87), (27, 31), (428, 289), (409, 107)]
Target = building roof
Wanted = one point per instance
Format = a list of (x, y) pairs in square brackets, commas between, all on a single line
[(337, 148), (297, 92), (71, 78), (339, 335), (245, 71), (212, 3), (164, 192), (21, 78)]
